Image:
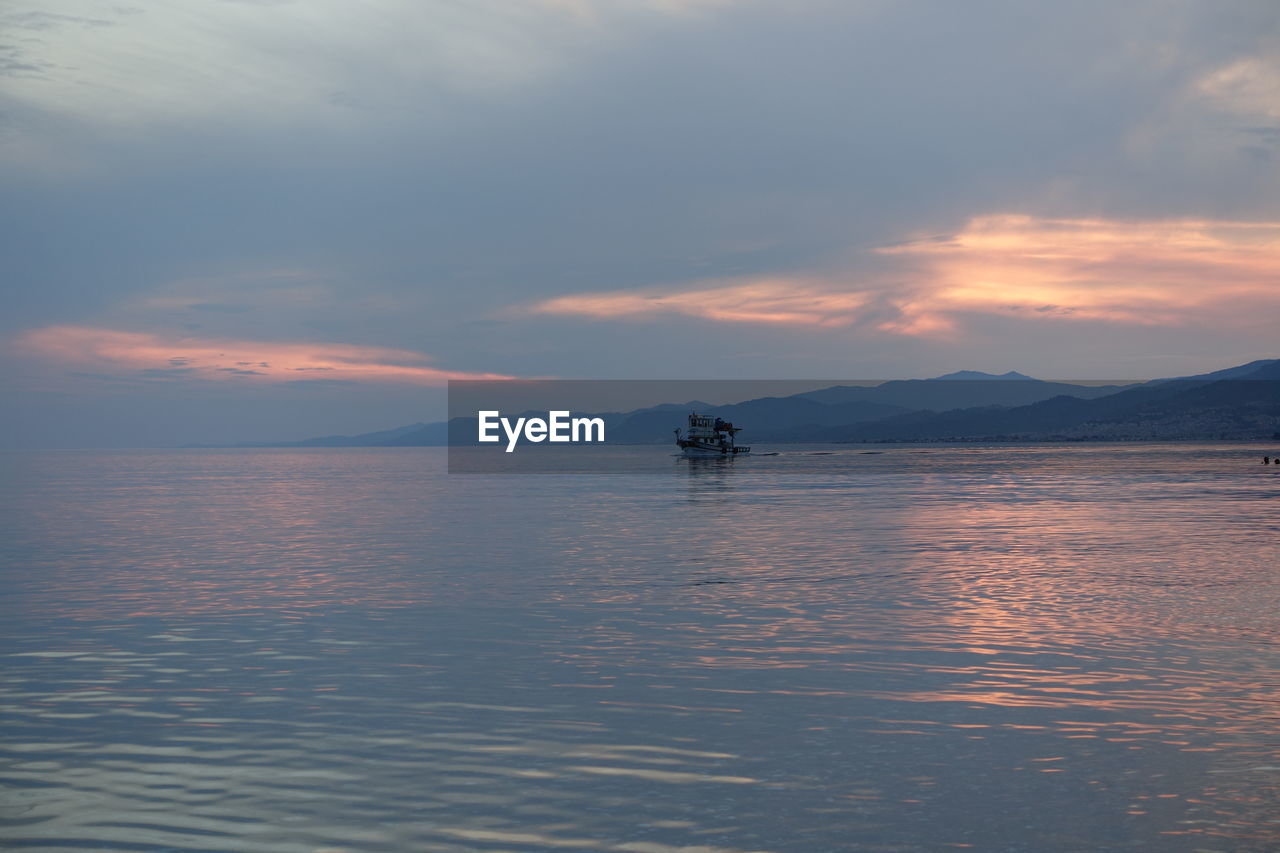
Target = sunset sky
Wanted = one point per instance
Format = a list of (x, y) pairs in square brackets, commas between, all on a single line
[(264, 220)]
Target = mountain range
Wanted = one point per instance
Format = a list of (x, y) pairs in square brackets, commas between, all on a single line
[(1237, 403)]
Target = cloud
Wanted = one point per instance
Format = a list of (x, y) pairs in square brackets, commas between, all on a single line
[(785, 302), (1144, 273), (1248, 85), (144, 355), (330, 61)]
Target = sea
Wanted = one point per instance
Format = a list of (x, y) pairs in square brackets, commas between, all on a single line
[(818, 648)]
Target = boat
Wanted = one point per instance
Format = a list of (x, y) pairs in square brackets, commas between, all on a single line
[(708, 436)]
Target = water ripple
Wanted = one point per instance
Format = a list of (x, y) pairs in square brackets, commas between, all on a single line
[(1020, 649)]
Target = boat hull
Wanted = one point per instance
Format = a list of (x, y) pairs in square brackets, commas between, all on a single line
[(715, 451)]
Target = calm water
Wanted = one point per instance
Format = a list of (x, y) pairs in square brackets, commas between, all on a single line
[(917, 649)]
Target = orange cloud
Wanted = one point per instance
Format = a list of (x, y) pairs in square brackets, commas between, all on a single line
[(1166, 273), (144, 354), (788, 302), (1135, 272)]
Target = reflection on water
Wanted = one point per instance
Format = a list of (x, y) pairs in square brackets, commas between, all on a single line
[(913, 649)]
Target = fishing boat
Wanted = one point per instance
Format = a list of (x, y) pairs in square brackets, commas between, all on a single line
[(708, 436)]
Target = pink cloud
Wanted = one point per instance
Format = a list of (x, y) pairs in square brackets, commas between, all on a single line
[(130, 353), (1125, 272), (779, 301), (1166, 272)]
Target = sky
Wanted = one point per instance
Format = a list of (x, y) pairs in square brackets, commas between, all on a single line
[(230, 220)]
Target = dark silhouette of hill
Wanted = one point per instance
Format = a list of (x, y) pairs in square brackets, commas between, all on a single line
[(1182, 409), (386, 437), (979, 376), (767, 415), (1263, 368), (426, 435), (953, 392), (1235, 403)]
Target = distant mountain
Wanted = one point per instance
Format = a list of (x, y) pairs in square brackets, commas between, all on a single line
[(767, 415), (979, 376), (1265, 368), (1183, 409), (385, 436), (1234, 403), (1269, 370), (381, 438), (424, 435), (950, 392)]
